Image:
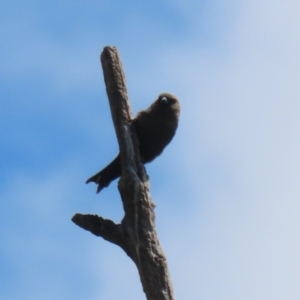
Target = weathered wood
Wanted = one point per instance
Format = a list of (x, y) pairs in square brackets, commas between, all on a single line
[(136, 234)]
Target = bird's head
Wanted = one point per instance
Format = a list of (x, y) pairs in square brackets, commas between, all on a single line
[(168, 102)]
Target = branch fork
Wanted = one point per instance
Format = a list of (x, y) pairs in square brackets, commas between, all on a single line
[(136, 234)]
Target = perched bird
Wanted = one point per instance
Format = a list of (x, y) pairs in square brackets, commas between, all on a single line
[(155, 128)]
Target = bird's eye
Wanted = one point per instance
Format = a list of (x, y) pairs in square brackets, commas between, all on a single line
[(164, 100)]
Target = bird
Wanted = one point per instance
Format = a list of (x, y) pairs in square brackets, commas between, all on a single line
[(155, 128)]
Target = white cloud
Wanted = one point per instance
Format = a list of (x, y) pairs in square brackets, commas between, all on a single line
[(242, 238)]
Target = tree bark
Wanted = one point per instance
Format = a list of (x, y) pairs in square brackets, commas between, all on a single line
[(136, 234)]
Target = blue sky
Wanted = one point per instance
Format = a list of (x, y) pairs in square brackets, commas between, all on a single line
[(226, 188)]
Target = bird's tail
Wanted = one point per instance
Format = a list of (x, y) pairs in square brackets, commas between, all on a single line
[(107, 175)]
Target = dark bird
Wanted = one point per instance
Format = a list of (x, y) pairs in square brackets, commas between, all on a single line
[(155, 128)]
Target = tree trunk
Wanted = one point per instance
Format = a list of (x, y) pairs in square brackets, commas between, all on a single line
[(136, 234)]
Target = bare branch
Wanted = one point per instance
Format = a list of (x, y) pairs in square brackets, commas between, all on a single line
[(136, 234), (107, 229)]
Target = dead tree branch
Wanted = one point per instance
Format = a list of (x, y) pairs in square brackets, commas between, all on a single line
[(136, 234)]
